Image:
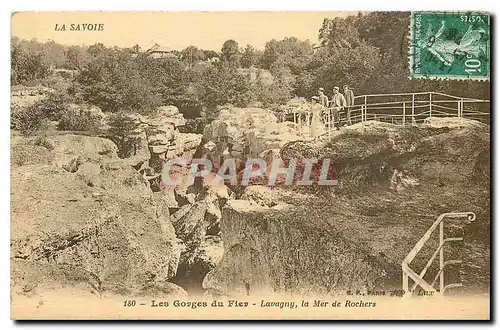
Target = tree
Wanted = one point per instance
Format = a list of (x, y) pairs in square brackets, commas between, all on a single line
[(292, 51), (98, 49), (249, 57), (230, 52), (339, 32), (221, 85), (26, 67), (116, 82), (346, 65), (125, 133), (192, 55), (75, 58)]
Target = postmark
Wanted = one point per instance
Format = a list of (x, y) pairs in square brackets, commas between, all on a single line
[(450, 45)]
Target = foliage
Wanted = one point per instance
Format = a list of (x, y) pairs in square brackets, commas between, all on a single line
[(292, 52), (249, 57), (26, 67), (53, 106), (276, 93), (223, 85), (75, 58), (28, 120), (192, 54), (124, 132), (115, 82), (366, 51), (71, 119), (353, 65), (230, 52)]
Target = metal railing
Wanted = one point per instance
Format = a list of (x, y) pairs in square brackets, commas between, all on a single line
[(412, 108), (418, 278), (399, 109)]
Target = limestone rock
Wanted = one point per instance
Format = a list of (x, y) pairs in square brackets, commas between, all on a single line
[(115, 236)]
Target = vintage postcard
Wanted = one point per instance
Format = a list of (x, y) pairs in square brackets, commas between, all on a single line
[(250, 165)]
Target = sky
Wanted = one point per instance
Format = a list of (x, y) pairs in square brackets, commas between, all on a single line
[(172, 30)]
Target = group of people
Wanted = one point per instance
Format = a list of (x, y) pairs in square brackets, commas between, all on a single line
[(331, 108)]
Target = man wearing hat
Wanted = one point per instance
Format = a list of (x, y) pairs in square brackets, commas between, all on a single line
[(337, 103), (323, 99)]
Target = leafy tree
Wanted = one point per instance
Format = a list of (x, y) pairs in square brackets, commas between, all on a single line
[(98, 49), (348, 65), (249, 57), (221, 85), (339, 32), (192, 54), (75, 58), (293, 52), (116, 82), (124, 132), (26, 67), (230, 52)]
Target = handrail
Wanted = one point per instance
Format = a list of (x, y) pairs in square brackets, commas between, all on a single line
[(420, 93), (408, 273), (409, 111)]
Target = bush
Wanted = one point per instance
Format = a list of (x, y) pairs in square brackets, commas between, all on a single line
[(23, 154), (28, 120), (46, 142), (71, 119), (54, 105), (194, 125)]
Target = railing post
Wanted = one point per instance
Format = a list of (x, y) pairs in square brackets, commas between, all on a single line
[(406, 287), (441, 258), (365, 106), (430, 104), (458, 109), (404, 113), (413, 109)]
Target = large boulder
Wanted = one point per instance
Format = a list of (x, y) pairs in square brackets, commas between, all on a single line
[(248, 131), (92, 223), (272, 250), (116, 237), (63, 150)]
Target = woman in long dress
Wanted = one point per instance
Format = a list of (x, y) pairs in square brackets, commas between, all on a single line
[(316, 110)]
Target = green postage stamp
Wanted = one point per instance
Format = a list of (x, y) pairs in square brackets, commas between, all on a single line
[(450, 45)]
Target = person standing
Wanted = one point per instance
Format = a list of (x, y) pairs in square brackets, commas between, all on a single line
[(337, 103), (316, 110), (349, 97), (323, 99)]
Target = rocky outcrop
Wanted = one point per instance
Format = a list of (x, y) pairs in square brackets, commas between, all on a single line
[(279, 250), (163, 138), (91, 223), (248, 131), (198, 226), (393, 184)]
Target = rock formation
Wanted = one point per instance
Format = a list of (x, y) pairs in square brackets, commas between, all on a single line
[(86, 219)]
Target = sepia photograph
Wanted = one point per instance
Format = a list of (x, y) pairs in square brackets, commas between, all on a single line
[(307, 165)]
